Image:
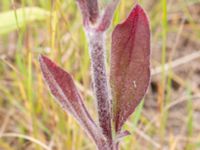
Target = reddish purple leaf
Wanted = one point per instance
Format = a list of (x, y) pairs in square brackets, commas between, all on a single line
[(90, 10), (130, 64), (93, 10), (64, 90)]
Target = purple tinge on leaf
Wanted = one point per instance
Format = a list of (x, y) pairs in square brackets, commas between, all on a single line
[(90, 10), (93, 10), (130, 64), (64, 90)]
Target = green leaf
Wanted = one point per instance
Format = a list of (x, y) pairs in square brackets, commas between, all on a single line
[(15, 19), (137, 114)]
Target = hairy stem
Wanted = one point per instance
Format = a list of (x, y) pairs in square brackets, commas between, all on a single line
[(96, 26), (116, 146), (100, 81), (108, 147)]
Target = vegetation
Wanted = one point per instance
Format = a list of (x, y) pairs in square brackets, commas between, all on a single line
[(29, 118)]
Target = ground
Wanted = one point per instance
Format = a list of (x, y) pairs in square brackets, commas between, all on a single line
[(31, 120)]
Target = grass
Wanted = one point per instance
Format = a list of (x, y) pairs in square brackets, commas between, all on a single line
[(31, 120)]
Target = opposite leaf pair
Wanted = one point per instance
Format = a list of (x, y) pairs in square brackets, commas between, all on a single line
[(129, 73)]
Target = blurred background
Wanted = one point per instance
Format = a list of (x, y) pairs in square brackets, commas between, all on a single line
[(168, 118)]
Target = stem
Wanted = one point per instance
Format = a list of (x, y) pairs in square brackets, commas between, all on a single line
[(100, 81), (106, 146), (114, 146), (96, 26)]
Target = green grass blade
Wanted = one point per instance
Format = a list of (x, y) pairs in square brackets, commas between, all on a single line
[(24, 15)]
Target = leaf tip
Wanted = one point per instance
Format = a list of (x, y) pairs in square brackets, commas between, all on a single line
[(137, 10), (41, 58), (45, 61)]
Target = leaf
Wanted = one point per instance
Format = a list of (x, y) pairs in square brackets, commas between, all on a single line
[(121, 135), (89, 10), (15, 19), (93, 10), (137, 114), (108, 15), (130, 64), (64, 90)]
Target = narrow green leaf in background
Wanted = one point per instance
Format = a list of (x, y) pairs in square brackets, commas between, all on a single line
[(14, 19)]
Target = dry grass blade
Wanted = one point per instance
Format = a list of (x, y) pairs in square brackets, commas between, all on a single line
[(26, 137), (176, 63)]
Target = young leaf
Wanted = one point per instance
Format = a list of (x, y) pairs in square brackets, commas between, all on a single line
[(108, 15), (130, 64), (93, 10), (90, 10), (64, 90)]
